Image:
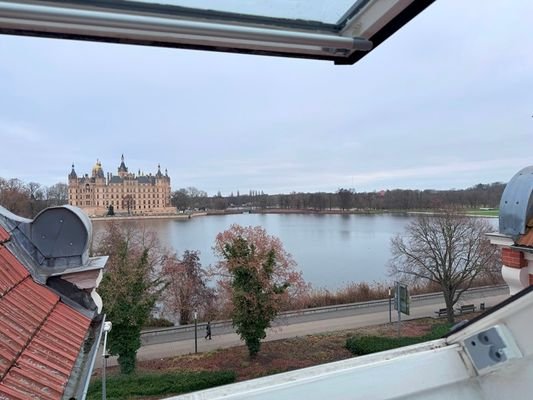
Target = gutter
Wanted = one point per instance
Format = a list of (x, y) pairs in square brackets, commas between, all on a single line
[(92, 360)]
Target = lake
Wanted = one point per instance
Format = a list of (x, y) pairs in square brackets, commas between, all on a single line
[(331, 250)]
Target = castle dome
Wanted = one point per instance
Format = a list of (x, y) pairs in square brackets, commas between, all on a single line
[(98, 171)]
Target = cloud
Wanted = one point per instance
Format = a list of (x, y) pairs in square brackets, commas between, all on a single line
[(436, 171), (431, 107), (16, 132)]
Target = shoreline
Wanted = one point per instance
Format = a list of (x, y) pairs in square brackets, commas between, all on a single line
[(277, 211), (357, 212), (145, 217)]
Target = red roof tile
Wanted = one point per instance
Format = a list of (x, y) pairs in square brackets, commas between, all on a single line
[(45, 365), (40, 337), (3, 235), (11, 271)]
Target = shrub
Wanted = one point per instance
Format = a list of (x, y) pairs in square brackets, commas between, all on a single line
[(351, 293), (131, 386), (158, 323), (355, 292), (372, 344)]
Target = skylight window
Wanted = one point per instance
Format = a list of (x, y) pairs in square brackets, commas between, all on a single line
[(326, 11), (342, 31)]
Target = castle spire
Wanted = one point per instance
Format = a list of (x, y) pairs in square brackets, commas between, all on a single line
[(72, 174), (122, 169), (159, 174)]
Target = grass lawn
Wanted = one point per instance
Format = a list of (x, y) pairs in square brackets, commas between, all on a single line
[(483, 213), (361, 345)]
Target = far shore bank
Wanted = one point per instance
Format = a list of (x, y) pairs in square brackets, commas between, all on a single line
[(145, 217), (470, 213), (364, 212)]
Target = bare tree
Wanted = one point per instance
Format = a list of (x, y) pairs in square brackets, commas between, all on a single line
[(58, 194), (186, 289), (181, 199), (450, 250), (128, 203), (14, 196), (34, 190)]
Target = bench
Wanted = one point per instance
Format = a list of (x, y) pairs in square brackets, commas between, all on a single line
[(443, 312), (466, 308)]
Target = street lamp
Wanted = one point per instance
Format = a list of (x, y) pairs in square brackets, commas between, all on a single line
[(195, 332), (390, 305), (105, 355)]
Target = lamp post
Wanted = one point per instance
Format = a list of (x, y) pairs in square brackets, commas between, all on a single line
[(399, 305), (105, 356), (390, 305), (195, 332)]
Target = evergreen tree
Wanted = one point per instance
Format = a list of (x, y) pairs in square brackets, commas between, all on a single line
[(260, 277), (128, 290)]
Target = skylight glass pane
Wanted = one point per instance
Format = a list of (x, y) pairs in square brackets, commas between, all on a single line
[(326, 11)]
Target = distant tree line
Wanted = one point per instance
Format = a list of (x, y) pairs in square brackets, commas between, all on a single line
[(478, 196), (27, 199)]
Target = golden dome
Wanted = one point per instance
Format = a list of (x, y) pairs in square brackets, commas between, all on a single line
[(97, 169)]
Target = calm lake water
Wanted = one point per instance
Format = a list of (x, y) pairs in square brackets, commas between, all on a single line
[(331, 250)]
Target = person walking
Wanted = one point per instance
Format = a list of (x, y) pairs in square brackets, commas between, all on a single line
[(208, 331)]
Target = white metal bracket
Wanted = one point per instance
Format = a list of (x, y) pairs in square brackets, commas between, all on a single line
[(491, 348)]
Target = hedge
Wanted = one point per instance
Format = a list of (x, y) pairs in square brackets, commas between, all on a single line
[(158, 323), (142, 385), (372, 344)]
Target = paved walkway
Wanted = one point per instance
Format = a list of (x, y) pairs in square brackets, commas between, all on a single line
[(171, 349)]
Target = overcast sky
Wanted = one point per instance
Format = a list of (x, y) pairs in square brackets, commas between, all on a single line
[(446, 102)]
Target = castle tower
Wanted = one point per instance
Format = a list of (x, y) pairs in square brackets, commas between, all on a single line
[(73, 177), (122, 169)]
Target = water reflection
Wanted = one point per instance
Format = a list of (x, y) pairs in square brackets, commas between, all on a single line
[(331, 250)]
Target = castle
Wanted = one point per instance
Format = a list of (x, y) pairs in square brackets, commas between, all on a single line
[(126, 193)]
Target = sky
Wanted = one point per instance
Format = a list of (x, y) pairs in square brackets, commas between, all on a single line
[(444, 103)]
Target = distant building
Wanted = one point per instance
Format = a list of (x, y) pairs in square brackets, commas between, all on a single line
[(129, 194)]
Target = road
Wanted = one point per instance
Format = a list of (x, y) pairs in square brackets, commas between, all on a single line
[(172, 342)]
